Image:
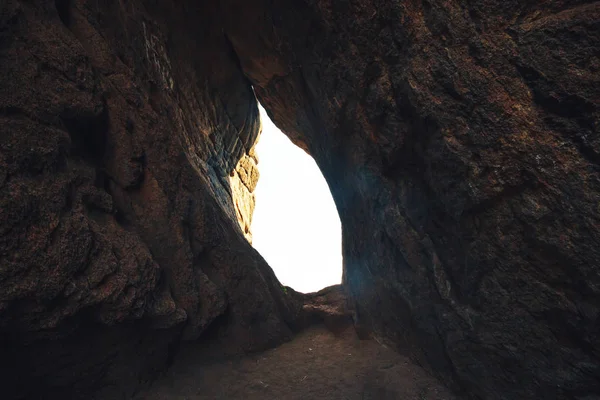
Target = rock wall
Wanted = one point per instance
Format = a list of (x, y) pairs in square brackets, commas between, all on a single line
[(126, 134), (460, 141), (243, 180)]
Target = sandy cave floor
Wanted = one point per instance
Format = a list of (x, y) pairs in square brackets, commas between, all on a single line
[(316, 364)]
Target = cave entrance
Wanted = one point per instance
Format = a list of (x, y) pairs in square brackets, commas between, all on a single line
[(295, 225)]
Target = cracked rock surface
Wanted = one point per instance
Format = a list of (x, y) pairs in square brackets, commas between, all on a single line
[(119, 232), (459, 139)]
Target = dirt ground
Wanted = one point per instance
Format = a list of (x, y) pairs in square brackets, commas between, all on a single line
[(315, 365)]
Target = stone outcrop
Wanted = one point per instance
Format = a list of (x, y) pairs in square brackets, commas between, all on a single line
[(243, 180), (124, 128), (459, 139), (328, 306)]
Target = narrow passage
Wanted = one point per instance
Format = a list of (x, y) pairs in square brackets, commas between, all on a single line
[(315, 365)]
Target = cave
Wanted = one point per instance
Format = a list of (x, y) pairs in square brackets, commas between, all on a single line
[(459, 141)]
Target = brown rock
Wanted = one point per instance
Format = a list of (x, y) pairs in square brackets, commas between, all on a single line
[(243, 181), (118, 227), (460, 142), (459, 139), (328, 306)]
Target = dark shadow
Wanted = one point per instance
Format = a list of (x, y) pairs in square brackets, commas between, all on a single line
[(64, 8)]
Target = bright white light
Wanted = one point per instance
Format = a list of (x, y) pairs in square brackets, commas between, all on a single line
[(295, 226)]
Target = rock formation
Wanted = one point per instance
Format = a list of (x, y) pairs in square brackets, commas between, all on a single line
[(459, 139), (123, 130)]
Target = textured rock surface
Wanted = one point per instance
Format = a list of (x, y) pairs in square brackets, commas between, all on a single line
[(120, 125), (328, 306), (243, 180), (460, 140)]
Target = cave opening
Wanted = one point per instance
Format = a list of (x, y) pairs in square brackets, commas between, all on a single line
[(295, 225)]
